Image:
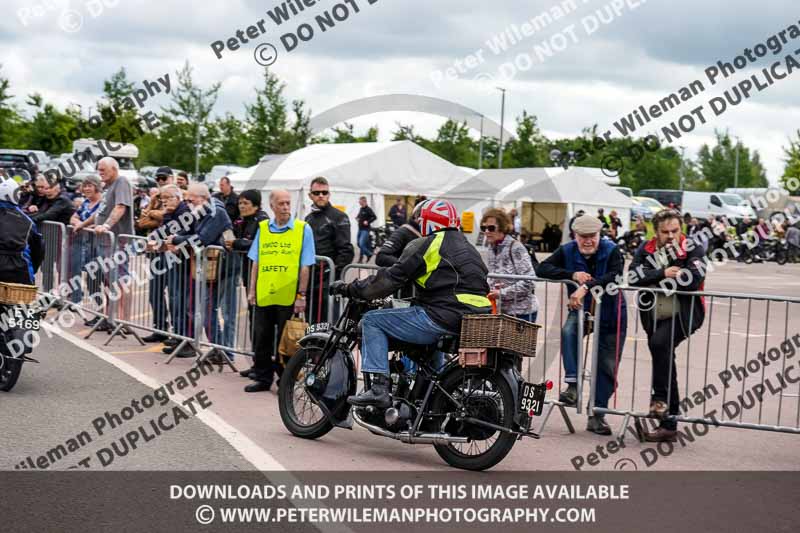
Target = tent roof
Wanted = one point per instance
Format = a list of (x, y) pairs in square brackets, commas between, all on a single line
[(546, 185), (397, 167)]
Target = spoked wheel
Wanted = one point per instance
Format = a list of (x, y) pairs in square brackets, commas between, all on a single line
[(781, 257), (485, 396), (300, 414), (10, 369)]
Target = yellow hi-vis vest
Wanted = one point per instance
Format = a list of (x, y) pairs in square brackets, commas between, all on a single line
[(278, 264)]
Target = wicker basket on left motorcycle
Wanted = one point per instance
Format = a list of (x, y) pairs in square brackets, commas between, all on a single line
[(17, 293)]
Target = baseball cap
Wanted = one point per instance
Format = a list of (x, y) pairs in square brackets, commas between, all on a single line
[(164, 171)]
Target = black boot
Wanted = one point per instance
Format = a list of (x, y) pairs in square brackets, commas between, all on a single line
[(377, 395)]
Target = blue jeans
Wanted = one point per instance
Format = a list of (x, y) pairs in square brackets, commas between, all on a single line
[(411, 324), (364, 244), (607, 358), (530, 317)]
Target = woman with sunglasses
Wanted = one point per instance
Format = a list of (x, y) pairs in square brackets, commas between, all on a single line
[(509, 256)]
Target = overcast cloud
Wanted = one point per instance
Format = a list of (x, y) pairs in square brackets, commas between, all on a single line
[(645, 53)]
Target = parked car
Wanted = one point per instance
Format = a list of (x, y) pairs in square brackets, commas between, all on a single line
[(19, 159), (665, 196), (646, 207)]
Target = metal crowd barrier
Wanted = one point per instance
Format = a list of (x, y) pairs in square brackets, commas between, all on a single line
[(721, 369), (90, 275), (552, 315), (224, 320), (53, 269)]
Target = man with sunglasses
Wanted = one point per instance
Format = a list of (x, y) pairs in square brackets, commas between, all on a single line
[(332, 238), (590, 261)]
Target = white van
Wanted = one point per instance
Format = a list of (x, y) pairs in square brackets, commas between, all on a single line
[(125, 154), (705, 204)]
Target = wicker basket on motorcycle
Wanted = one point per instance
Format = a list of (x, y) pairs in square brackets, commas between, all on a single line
[(503, 332), (17, 293)]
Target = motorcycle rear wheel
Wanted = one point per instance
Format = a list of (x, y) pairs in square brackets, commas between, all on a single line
[(292, 397), (487, 397)]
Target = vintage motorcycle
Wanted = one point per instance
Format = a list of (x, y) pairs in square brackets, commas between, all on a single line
[(15, 346), (472, 415)]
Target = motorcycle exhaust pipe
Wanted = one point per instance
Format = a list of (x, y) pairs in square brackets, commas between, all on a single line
[(425, 438)]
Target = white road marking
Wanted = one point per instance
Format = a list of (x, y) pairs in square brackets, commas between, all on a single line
[(253, 453), (250, 451)]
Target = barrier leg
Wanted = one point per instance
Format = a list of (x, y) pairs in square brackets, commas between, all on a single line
[(183, 344)]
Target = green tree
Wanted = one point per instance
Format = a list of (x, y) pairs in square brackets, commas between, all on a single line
[(345, 134), (792, 169), (50, 129), (717, 164), (12, 124), (453, 142), (119, 121), (188, 113), (269, 130), (231, 141), (529, 149)]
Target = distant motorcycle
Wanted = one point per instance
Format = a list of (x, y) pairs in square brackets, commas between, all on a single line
[(786, 253), (630, 242)]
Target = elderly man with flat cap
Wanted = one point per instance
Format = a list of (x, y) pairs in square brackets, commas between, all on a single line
[(590, 262)]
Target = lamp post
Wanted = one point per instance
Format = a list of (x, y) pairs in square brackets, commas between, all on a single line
[(736, 168), (480, 147), (502, 124)]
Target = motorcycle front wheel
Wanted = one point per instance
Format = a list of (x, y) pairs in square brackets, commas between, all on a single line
[(485, 395), (300, 413), (10, 369)]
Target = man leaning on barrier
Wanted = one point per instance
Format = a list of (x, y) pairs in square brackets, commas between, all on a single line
[(591, 262), (172, 272), (282, 254), (211, 221), (115, 215), (668, 260)]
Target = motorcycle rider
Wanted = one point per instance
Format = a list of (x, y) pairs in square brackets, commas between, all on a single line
[(21, 245), (392, 249), (451, 282)]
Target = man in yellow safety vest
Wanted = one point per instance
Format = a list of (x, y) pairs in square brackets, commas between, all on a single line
[(282, 254)]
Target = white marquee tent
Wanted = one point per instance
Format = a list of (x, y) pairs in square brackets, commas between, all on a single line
[(402, 168), (541, 195), (353, 170)]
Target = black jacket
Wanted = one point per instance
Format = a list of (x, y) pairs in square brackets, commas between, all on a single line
[(332, 235), (60, 209), (21, 246), (231, 204), (644, 267), (449, 284), (391, 250), (245, 230), (366, 216)]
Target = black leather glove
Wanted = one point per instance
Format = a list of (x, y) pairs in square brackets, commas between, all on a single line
[(338, 288)]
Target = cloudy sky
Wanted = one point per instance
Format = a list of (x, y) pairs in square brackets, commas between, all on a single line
[(609, 57)]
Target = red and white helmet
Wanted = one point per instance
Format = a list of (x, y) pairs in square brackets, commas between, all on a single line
[(437, 215)]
